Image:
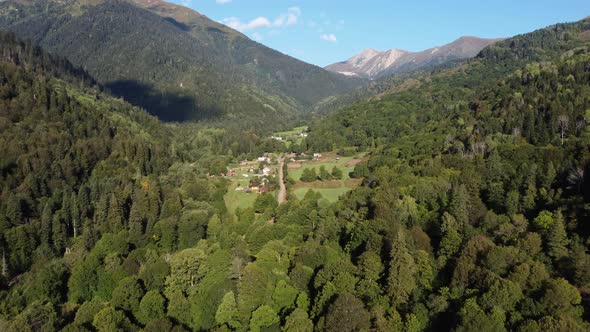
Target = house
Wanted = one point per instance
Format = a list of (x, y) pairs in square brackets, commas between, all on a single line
[(240, 189), (303, 135), (266, 171), (255, 188), (317, 155), (230, 172), (278, 138), (245, 175)]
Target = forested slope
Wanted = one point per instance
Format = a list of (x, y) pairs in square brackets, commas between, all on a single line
[(77, 164), (172, 61), (476, 195)]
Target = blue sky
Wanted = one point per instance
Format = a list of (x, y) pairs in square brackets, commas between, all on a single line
[(326, 31)]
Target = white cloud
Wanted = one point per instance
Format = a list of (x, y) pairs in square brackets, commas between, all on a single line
[(257, 36), (235, 23), (329, 37), (291, 17), (222, 2)]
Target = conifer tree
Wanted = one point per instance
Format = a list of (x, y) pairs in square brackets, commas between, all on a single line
[(459, 205), (451, 240), (227, 312), (114, 215), (402, 270), (557, 238)]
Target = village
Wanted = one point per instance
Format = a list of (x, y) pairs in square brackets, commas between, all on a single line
[(326, 173)]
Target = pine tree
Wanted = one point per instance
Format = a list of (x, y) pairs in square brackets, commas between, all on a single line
[(102, 210), (557, 240), (227, 312), (451, 239), (459, 205), (14, 209), (46, 225), (114, 215), (84, 204), (138, 208), (172, 207), (402, 271), (309, 175), (549, 177), (337, 173), (530, 190), (58, 232), (324, 174)]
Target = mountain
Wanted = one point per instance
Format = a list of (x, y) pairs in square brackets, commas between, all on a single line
[(468, 212), (171, 60), (373, 64)]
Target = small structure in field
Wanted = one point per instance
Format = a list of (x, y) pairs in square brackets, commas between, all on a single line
[(264, 159)]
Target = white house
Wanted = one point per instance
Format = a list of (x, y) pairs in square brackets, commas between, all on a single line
[(317, 155), (266, 171)]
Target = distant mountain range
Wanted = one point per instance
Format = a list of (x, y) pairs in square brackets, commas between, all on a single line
[(173, 61), (373, 64)]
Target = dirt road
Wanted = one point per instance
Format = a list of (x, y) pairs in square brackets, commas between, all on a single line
[(282, 197)]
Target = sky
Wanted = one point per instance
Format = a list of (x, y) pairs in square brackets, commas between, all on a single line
[(322, 32)]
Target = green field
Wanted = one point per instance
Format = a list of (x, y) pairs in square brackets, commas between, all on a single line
[(238, 199), (331, 194), (292, 135), (234, 199)]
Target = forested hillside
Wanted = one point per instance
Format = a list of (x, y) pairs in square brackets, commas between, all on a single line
[(77, 165), (172, 61), (477, 188)]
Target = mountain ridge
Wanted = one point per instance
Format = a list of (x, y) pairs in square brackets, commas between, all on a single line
[(173, 61), (372, 64)]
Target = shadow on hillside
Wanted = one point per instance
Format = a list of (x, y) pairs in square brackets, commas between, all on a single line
[(165, 105), (177, 24)]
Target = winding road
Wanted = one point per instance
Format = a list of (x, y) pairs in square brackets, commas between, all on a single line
[(282, 197)]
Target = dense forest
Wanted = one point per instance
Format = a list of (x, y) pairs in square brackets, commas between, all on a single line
[(472, 213)]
